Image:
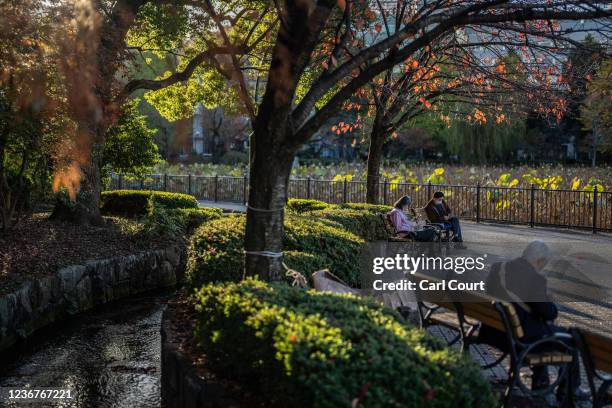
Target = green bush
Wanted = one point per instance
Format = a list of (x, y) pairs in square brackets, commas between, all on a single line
[(372, 208), (304, 348), (215, 252), (299, 205), (365, 224), (338, 249), (133, 203), (305, 263), (192, 218), (159, 222)]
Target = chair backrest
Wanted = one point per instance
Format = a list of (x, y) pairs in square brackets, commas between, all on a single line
[(599, 350), (491, 312), (388, 224)]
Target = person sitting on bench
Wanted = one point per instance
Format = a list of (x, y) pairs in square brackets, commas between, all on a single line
[(521, 283), (404, 226), (440, 213)]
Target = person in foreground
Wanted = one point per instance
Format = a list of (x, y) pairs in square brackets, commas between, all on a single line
[(404, 226), (440, 213), (521, 283)]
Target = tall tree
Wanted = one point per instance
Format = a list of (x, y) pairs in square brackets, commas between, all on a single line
[(96, 52), (30, 105), (284, 122), (596, 112)]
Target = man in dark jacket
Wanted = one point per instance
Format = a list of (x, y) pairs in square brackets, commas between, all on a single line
[(440, 213), (520, 282)]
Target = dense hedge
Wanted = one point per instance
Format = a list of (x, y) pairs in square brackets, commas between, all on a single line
[(312, 349), (366, 224), (305, 263), (372, 208), (135, 202), (300, 205), (192, 218), (215, 252)]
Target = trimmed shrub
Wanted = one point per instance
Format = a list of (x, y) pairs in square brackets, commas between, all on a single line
[(215, 251), (305, 348), (372, 208), (338, 249), (299, 205), (192, 218), (365, 224), (134, 203), (304, 262), (216, 247)]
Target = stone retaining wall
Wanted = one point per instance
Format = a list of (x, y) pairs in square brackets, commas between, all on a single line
[(181, 386), (75, 289)]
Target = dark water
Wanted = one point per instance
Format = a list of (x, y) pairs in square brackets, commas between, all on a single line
[(108, 358)]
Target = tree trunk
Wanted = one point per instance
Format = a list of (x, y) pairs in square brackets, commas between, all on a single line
[(375, 155), (275, 142), (85, 209), (268, 182), (95, 77)]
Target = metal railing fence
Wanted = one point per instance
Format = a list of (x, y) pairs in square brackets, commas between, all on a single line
[(583, 209)]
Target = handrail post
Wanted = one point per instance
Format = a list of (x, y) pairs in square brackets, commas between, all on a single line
[(595, 199), (189, 184), (165, 182), (245, 186), (385, 192), (216, 187), (532, 207), (308, 192), (345, 192), (478, 202)]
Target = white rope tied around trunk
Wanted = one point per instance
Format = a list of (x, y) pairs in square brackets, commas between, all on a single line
[(266, 254)]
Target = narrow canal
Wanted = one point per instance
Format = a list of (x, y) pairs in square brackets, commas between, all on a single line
[(109, 357)]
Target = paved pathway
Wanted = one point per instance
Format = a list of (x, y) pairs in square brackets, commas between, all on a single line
[(225, 206)]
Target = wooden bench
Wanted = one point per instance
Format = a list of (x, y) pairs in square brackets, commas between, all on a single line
[(596, 352), (392, 235), (420, 215), (475, 310)]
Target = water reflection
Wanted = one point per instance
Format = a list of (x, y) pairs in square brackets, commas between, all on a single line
[(108, 358)]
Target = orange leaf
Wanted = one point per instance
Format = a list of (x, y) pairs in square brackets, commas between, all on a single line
[(342, 4), (378, 27)]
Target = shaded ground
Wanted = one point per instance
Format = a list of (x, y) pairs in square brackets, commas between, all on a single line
[(108, 358), (38, 247)]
